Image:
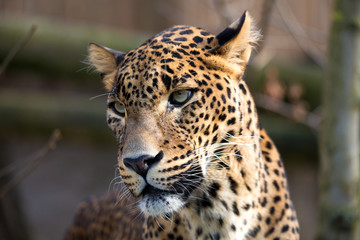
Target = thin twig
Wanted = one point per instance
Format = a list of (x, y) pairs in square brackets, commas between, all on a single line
[(297, 30), (264, 22), (17, 48), (39, 157), (286, 110)]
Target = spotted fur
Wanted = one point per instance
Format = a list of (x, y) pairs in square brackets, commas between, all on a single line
[(199, 168)]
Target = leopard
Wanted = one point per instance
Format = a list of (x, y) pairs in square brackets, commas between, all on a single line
[(193, 158)]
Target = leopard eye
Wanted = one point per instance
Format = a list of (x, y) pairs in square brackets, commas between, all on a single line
[(118, 108), (179, 98)]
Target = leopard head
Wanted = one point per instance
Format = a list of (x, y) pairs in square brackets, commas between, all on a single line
[(173, 104)]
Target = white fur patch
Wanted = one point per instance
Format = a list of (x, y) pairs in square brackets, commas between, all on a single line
[(160, 205)]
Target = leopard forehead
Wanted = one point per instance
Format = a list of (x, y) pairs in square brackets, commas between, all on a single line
[(165, 61), (181, 35)]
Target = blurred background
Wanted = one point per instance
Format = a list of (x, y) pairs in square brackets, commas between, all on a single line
[(45, 85)]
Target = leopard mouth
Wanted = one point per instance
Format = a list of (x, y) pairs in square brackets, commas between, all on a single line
[(155, 201), (183, 187)]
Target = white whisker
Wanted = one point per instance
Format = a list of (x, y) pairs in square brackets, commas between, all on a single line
[(100, 95)]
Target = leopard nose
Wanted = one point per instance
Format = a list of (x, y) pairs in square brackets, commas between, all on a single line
[(142, 163)]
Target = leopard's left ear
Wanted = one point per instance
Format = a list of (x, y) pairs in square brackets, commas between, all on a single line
[(235, 42)]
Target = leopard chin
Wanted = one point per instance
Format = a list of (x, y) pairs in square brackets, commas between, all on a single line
[(156, 202)]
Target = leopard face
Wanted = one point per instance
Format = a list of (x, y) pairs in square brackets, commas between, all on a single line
[(178, 107)]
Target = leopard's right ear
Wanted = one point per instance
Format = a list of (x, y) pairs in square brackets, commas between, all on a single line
[(105, 61)]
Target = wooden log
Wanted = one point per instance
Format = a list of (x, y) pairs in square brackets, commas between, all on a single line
[(58, 49)]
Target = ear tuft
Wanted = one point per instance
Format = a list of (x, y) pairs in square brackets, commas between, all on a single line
[(237, 40), (105, 61), (231, 31)]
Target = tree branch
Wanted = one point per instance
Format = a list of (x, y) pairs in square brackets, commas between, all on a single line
[(287, 110), (17, 48), (39, 157)]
